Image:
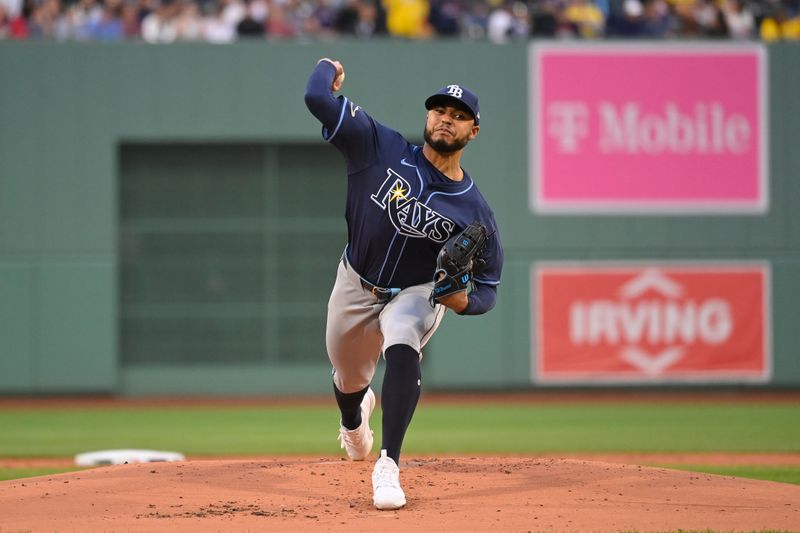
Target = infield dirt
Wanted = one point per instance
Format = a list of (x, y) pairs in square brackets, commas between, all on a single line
[(444, 494)]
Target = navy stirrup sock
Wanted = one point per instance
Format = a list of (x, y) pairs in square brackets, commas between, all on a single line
[(350, 406), (399, 396)]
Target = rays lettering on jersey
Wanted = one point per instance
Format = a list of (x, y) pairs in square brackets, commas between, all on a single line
[(409, 216)]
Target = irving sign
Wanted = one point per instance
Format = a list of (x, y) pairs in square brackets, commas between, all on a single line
[(648, 129), (602, 323)]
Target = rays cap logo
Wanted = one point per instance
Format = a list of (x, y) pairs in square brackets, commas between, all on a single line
[(457, 96)]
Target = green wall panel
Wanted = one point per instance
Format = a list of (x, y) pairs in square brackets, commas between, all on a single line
[(786, 313), (20, 227), (17, 342), (20, 149), (784, 163), (226, 379), (77, 326)]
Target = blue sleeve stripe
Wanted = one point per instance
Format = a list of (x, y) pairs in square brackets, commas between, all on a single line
[(486, 281), (339, 125)]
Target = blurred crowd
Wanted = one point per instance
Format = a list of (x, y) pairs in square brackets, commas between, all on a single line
[(223, 21)]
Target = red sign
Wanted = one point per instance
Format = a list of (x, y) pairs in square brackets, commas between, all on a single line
[(596, 322)]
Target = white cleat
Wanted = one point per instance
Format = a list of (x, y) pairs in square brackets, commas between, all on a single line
[(358, 442), (387, 493)]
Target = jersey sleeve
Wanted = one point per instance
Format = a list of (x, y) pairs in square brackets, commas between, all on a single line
[(344, 124), (481, 300), (493, 255), (484, 296)]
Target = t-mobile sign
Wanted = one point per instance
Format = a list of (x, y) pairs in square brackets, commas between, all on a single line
[(667, 322), (648, 128)]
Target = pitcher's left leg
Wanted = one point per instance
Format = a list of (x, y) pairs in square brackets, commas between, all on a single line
[(407, 323)]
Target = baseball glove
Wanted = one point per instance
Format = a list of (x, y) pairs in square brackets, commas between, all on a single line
[(458, 259)]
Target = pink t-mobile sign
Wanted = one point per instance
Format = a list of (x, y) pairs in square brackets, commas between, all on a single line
[(648, 128)]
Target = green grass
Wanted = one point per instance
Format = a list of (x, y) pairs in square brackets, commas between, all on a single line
[(608, 428), (782, 474), (436, 428), (17, 473)]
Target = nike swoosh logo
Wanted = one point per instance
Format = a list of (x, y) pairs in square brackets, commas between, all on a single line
[(354, 109), (406, 163)]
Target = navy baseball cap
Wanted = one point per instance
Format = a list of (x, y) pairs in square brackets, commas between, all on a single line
[(457, 96)]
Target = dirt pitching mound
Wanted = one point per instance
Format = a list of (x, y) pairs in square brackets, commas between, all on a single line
[(454, 493)]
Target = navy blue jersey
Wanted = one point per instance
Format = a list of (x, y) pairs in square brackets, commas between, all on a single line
[(400, 208)]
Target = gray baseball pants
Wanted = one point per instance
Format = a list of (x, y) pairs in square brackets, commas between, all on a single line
[(360, 327)]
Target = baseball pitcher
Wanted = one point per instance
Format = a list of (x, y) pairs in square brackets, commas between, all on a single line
[(421, 240)]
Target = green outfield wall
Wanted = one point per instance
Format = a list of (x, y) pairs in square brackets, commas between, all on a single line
[(170, 220)]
